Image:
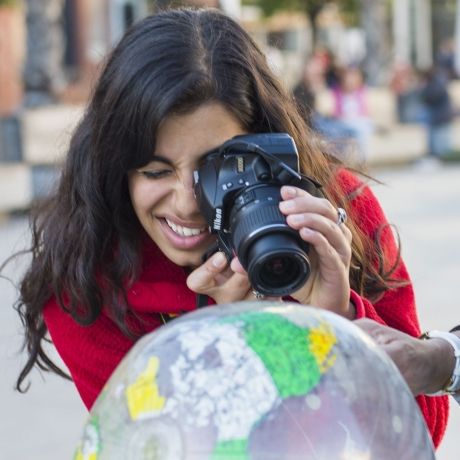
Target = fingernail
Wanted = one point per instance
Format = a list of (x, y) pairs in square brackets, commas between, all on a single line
[(297, 218), (290, 191), (219, 260), (287, 206), (306, 231)]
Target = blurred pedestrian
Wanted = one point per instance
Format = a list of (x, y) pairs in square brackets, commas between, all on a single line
[(439, 112), (305, 92), (329, 64), (445, 58), (406, 86), (311, 81), (351, 107)]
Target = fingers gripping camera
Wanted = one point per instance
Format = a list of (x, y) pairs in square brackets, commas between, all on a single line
[(237, 187)]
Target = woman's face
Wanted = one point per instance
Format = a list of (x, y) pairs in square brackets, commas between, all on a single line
[(162, 190)]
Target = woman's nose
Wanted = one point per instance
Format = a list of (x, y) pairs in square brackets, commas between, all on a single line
[(185, 198)]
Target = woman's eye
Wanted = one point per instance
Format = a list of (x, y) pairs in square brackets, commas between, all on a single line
[(156, 174)]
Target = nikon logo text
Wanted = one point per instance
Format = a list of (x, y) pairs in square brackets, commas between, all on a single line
[(217, 223)]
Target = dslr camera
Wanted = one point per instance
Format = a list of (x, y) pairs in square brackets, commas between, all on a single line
[(237, 187)]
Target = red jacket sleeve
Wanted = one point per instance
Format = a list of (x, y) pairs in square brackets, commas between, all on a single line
[(91, 353), (396, 307)]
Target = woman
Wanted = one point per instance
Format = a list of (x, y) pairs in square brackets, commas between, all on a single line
[(117, 249)]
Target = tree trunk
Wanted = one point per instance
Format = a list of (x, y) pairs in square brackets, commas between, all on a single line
[(312, 13), (43, 73), (374, 22)]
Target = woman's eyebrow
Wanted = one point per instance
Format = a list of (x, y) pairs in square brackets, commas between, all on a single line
[(161, 159)]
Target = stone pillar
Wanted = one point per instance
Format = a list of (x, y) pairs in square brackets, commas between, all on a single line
[(402, 31), (423, 34), (11, 55), (43, 72), (457, 39), (374, 23), (117, 16)]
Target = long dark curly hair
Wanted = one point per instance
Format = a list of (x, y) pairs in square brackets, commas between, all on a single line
[(166, 64)]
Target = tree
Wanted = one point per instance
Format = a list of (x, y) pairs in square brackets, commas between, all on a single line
[(311, 8)]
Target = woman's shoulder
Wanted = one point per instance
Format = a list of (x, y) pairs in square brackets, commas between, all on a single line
[(349, 181), (363, 204)]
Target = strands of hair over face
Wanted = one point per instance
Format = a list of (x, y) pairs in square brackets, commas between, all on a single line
[(86, 237)]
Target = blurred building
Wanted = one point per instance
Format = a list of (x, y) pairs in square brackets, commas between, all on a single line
[(413, 31), (51, 52), (90, 28)]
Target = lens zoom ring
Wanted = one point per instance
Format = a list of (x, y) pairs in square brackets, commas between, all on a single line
[(253, 217)]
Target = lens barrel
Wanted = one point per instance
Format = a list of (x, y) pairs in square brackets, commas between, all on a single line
[(271, 252)]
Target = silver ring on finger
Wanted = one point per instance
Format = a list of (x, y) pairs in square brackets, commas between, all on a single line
[(258, 295), (341, 216)]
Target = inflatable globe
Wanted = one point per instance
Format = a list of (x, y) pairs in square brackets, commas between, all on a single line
[(256, 381)]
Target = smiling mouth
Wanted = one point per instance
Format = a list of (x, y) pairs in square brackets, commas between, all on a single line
[(185, 231)]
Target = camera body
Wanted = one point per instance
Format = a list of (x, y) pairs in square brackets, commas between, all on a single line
[(237, 187)]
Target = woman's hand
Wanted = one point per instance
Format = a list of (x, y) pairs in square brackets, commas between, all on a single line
[(216, 279), (328, 286), (316, 220)]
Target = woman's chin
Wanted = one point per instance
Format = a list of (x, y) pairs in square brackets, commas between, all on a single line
[(187, 260)]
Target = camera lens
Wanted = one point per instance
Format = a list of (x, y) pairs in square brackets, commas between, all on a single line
[(278, 266), (271, 252)]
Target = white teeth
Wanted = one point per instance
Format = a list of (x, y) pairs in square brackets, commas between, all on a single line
[(184, 231)]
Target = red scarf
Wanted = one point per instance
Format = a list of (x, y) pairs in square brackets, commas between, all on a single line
[(161, 287)]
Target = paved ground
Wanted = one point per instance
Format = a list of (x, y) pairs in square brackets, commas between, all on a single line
[(45, 424), (424, 204)]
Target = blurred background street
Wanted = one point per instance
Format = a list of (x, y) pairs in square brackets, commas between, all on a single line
[(396, 63)]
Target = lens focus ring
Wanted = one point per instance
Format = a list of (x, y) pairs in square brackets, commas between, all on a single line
[(256, 218)]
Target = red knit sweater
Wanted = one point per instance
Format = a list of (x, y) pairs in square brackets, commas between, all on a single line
[(91, 353)]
